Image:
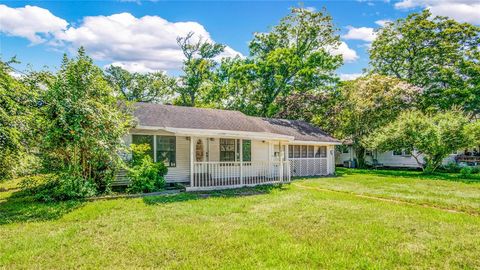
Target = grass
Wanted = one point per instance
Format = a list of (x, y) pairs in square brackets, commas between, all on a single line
[(360, 219)]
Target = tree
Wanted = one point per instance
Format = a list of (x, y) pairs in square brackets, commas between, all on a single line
[(198, 69), (83, 123), (433, 136), (437, 54), (368, 103), (147, 87), (294, 57), (14, 98)]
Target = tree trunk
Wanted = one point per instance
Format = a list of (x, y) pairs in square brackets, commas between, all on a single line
[(360, 155)]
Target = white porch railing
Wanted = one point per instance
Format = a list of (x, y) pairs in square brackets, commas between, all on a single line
[(215, 174), (308, 166)]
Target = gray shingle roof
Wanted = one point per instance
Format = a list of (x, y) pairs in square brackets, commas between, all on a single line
[(157, 115)]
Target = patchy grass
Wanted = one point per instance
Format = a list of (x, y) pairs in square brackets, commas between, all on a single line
[(312, 223)]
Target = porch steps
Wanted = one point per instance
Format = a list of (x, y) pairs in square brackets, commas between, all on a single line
[(121, 178)]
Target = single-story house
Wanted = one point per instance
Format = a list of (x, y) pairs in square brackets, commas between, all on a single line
[(211, 148), (400, 158)]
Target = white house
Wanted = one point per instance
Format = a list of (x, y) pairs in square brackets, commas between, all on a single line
[(211, 148), (401, 158)]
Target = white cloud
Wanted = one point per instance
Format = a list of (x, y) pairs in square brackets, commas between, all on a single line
[(349, 55), (139, 44), (349, 76), (30, 22), (382, 23), (460, 10), (362, 33)]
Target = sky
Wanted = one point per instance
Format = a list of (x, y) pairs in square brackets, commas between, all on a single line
[(141, 35)]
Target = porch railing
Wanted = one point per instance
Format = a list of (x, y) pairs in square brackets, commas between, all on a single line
[(308, 166), (214, 175)]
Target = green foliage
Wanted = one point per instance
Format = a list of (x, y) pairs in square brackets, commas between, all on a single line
[(19, 101), (433, 136), (144, 174), (466, 171), (368, 103), (452, 167), (58, 187), (139, 151), (294, 57), (140, 87), (83, 124), (198, 67), (436, 53)]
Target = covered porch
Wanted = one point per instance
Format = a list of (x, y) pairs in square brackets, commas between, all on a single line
[(221, 160)]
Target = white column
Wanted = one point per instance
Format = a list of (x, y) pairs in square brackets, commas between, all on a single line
[(281, 156), (154, 148), (192, 182), (241, 161)]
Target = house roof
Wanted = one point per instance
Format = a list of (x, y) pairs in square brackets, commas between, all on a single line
[(169, 116)]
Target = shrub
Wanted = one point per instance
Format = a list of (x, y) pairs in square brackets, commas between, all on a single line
[(466, 172), (60, 187), (452, 167), (144, 174)]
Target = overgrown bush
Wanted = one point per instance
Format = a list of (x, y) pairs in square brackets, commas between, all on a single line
[(452, 167), (58, 187), (466, 172), (144, 174)]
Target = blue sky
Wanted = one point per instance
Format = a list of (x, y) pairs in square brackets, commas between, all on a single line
[(118, 32)]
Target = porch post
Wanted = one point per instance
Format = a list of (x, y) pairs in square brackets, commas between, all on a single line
[(192, 182), (241, 161), (281, 155), (154, 148)]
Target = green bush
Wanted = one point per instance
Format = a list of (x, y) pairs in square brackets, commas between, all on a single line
[(144, 174), (466, 172), (60, 187), (452, 167), (147, 176)]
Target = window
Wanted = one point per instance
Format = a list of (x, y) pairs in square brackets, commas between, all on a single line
[(321, 152), (368, 153), (403, 152), (311, 151), (166, 150), (397, 152), (230, 150), (290, 151), (296, 151), (227, 149), (144, 139), (304, 151), (345, 149), (247, 150)]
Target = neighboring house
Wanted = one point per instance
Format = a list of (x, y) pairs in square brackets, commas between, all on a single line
[(400, 159), (210, 148)]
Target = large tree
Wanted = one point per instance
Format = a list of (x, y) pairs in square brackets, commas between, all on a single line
[(198, 70), (142, 87), (294, 57), (83, 122), (436, 53), (14, 99), (430, 138), (368, 103)]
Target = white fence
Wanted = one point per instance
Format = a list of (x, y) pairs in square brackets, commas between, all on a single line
[(215, 175), (308, 166)]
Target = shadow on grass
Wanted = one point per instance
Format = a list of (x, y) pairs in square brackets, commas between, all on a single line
[(456, 177), (21, 208), (227, 193)]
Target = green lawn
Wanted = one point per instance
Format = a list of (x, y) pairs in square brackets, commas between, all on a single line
[(360, 219)]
